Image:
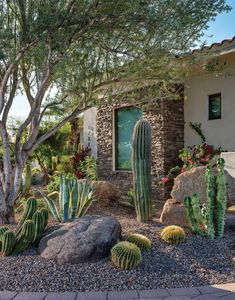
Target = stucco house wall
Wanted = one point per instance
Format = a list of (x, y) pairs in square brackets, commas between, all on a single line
[(198, 87), (89, 136)]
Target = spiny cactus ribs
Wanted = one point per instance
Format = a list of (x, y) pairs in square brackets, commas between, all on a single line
[(141, 165), (139, 240), (173, 234), (126, 255)]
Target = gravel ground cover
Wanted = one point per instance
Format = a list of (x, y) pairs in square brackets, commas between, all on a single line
[(195, 262)]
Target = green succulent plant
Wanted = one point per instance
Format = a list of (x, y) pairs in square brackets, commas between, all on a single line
[(139, 240), (26, 237), (173, 234), (126, 255), (8, 242)]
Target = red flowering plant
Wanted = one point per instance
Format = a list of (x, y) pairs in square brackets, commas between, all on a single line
[(78, 158), (198, 155)]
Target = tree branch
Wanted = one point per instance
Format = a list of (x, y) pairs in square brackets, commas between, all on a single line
[(9, 71), (41, 139)]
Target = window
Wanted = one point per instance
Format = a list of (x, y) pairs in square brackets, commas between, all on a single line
[(125, 120), (215, 107)]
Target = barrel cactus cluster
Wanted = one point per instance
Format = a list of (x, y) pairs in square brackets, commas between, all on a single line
[(209, 221), (28, 232), (173, 234), (141, 165), (139, 240)]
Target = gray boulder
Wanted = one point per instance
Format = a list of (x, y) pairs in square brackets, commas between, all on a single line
[(87, 239)]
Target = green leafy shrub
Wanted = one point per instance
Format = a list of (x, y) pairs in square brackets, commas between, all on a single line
[(126, 255), (54, 184), (88, 167)]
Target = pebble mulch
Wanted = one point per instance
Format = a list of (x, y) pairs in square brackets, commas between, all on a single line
[(195, 262)]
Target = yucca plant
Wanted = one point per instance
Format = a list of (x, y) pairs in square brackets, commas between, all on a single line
[(75, 198)]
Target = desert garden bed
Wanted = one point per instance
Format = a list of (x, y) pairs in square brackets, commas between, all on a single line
[(197, 261)]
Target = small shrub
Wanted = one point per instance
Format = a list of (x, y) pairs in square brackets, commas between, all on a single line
[(173, 234), (54, 184)]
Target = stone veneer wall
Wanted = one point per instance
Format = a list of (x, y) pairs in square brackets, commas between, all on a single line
[(167, 120)]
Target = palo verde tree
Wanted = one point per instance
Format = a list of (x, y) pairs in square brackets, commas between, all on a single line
[(75, 47)]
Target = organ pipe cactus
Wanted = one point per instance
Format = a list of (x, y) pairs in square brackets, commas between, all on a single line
[(2, 231), (26, 236), (45, 213), (27, 180), (39, 222), (8, 242), (221, 198), (210, 204), (141, 165), (213, 218), (30, 208)]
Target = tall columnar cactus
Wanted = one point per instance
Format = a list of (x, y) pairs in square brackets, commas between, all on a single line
[(39, 221), (8, 242), (26, 236), (2, 231), (213, 218), (210, 203), (30, 208), (191, 217), (141, 165), (45, 213), (221, 197)]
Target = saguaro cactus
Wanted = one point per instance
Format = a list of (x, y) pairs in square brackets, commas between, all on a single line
[(141, 165)]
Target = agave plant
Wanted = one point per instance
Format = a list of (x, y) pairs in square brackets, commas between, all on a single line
[(75, 198)]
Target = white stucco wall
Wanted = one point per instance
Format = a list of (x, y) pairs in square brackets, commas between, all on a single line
[(89, 130), (197, 88)]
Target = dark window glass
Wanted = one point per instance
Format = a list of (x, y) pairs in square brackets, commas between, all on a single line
[(215, 107), (125, 120)]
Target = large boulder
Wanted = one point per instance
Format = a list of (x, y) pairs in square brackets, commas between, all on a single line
[(89, 238), (188, 183), (106, 191), (174, 213), (194, 181)]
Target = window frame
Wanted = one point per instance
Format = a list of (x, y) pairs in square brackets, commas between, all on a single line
[(115, 139), (210, 99)]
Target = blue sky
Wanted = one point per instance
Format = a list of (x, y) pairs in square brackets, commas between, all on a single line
[(222, 28)]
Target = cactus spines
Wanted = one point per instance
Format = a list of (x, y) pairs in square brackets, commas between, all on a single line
[(39, 221), (210, 203), (26, 236), (139, 240), (141, 165), (30, 208), (213, 217), (8, 242), (45, 213), (126, 255), (221, 198), (173, 234)]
